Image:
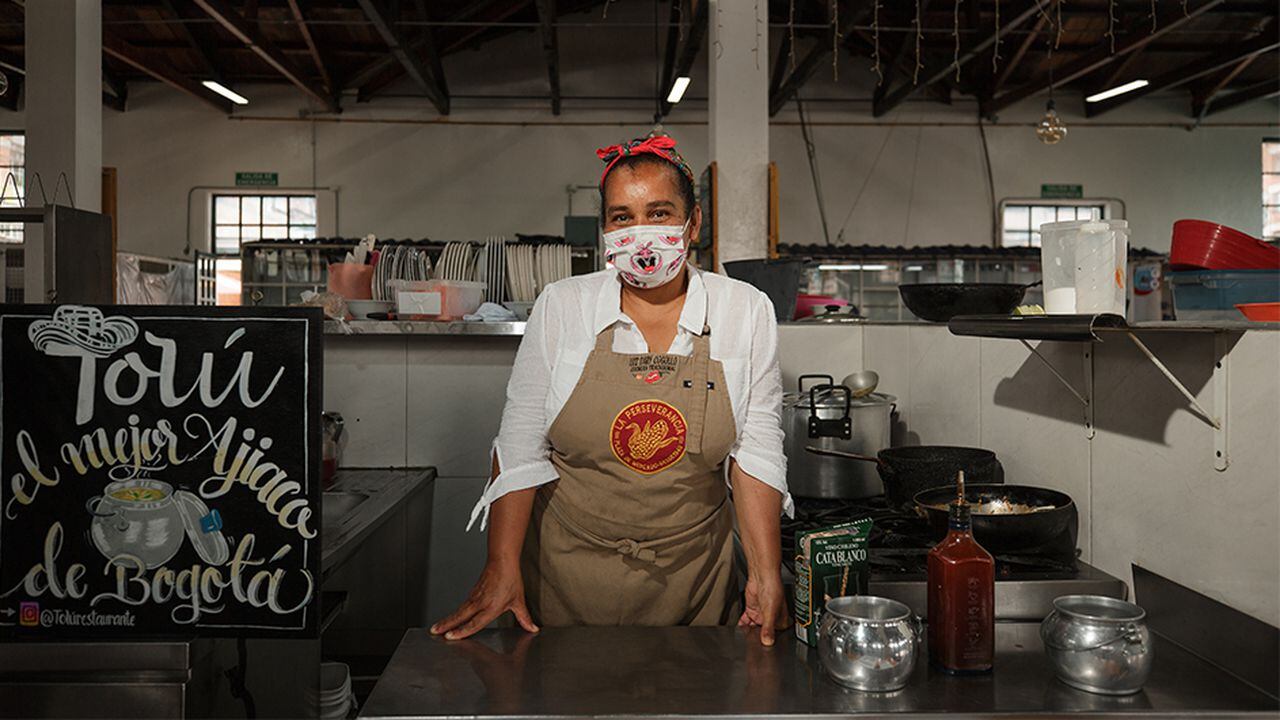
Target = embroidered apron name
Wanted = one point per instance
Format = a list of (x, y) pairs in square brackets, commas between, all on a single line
[(651, 368)]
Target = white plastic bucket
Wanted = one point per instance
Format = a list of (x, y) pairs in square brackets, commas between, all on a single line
[(335, 698)]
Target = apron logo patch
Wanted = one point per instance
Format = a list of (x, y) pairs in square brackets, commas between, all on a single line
[(650, 377), (648, 436)]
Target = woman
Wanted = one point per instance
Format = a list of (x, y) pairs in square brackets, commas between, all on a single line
[(633, 389)]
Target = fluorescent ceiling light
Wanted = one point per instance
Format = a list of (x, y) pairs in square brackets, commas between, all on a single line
[(871, 268), (914, 268), (226, 92), (677, 90), (1118, 90)]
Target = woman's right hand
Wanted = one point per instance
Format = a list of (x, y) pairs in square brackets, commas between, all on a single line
[(499, 589)]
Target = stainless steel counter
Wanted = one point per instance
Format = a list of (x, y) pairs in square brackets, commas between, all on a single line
[(695, 672), (370, 497)]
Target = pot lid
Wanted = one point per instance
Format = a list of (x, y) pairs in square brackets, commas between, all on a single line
[(827, 399), (204, 528)]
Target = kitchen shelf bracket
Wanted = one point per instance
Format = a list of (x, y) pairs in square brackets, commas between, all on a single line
[(1090, 329), (1085, 397)]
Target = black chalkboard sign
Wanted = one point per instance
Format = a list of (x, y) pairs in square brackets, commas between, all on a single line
[(159, 473)]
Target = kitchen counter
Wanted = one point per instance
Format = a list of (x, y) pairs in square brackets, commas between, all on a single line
[(369, 498), (516, 329), (695, 672)]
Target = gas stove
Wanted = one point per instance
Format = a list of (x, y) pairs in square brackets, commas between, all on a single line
[(1026, 581)]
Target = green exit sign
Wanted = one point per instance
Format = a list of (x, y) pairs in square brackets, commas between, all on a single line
[(257, 179), (1058, 191)]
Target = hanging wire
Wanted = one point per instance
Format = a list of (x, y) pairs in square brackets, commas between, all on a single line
[(1185, 12), (812, 152), (866, 180), (915, 73), (605, 15), (1111, 24), (875, 41), (995, 50), (1058, 39), (791, 34), (955, 32), (1153, 16), (835, 46)]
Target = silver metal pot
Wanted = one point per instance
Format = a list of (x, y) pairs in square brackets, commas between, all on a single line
[(827, 416), (869, 643), (1098, 644)]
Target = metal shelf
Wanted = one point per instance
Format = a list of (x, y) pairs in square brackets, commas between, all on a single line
[(1090, 329)]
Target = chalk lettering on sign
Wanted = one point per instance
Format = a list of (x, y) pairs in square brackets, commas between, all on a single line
[(134, 465)]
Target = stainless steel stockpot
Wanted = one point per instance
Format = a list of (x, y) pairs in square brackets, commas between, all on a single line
[(869, 643), (1098, 644), (827, 416)]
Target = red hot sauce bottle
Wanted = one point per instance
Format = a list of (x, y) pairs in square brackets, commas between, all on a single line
[(962, 614)]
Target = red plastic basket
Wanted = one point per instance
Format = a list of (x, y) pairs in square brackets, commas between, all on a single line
[(1200, 244)]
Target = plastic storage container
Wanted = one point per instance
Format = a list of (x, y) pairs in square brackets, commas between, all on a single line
[(436, 299), (1214, 294), (1085, 266)]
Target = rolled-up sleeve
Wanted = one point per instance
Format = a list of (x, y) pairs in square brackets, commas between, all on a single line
[(759, 448), (521, 448)]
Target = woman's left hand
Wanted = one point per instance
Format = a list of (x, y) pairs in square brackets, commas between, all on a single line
[(766, 606)]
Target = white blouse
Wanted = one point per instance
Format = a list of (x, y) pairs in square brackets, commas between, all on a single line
[(561, 333)]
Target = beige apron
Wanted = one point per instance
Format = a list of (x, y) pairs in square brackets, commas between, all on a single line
[(638, 529)]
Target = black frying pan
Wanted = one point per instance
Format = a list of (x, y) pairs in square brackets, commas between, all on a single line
[(1051, 514), (939, 302), (909, 469)]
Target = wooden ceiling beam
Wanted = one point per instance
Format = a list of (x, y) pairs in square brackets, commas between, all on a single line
[(197, 40), (893, 99), (1259, 91), (1135, 38), (689, 51), (295, 8), (1190, 71), (249, 34), (1202, 98), (551, 48), (408, 59), (124, 52)]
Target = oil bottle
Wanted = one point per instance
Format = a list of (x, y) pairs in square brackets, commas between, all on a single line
[(961, 580)]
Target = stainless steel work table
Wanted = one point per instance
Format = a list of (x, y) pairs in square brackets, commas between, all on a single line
[(692, 672)]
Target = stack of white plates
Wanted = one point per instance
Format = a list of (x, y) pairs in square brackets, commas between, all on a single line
[(457, 262), (553, 264), (521, 278), (398, 262), (491, 269)]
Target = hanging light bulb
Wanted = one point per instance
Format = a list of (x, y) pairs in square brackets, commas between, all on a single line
[(1050, 129)]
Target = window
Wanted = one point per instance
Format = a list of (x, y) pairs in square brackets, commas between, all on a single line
[(249, 218), (12, 161), (1271, 188), (1020, 220)]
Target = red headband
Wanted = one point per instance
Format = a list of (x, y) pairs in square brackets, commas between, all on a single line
[(661, 145)]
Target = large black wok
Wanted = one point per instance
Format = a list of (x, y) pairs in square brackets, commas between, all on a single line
[(1028, 517), (907, 470), (939, 302)]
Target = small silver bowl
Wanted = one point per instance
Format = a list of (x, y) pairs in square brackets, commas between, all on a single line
[(869, 643), (1098, 644)]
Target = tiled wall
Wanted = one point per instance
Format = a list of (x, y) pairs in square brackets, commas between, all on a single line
[(1146, 486)]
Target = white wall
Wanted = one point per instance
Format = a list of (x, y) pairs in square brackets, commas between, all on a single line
[(1145, 484), (462, 181)]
